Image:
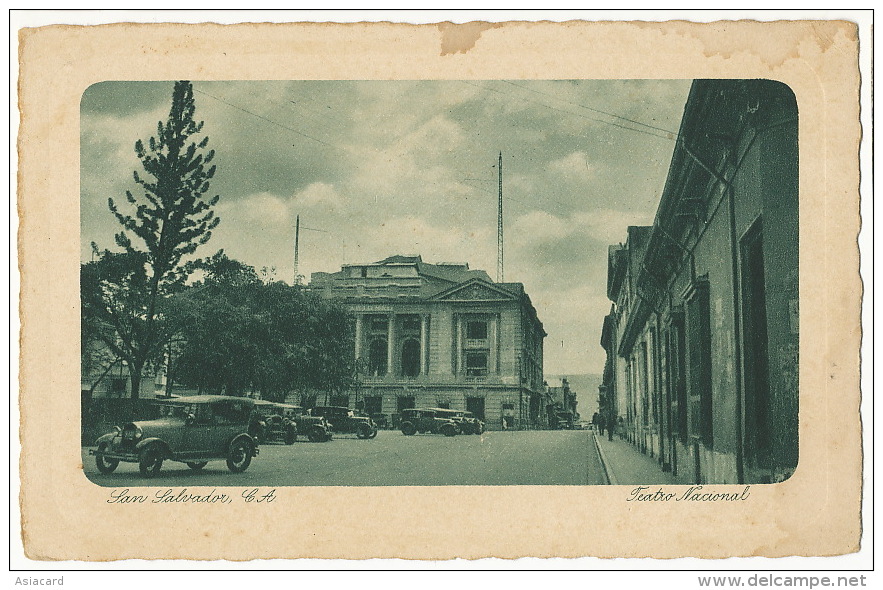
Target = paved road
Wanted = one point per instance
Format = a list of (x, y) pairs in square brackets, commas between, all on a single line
[(495, 458)]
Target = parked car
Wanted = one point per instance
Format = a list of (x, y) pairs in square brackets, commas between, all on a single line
[(477, 426), (466, 422), (381, 421), (315, 428), (344, 421), (271, 422), (564, 421), (193, 430), (427, 421)]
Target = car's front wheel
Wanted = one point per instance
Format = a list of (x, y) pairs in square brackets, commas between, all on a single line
[(449, 430), (196, 465), (317, 434), (239, 456), (150, 460), (408, 429), (104, 464), (364, 431)]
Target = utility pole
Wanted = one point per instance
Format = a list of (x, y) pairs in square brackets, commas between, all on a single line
[(296, 245), (500, 222)]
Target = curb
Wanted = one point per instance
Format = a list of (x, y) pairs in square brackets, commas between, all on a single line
[(608, 472)]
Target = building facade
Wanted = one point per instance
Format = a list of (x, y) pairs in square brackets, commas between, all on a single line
[(441, 335), (562, 405), (702, 337)]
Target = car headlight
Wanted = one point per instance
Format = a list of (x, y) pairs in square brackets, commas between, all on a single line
[(132, 432)]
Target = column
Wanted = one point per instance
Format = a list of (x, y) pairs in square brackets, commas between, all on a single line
[(359, 336), (493, 353), (424, 344), (458, 346), (390, 348)]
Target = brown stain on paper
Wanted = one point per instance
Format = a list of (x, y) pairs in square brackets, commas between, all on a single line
[(727, 39), (815, 512), (460, 38)]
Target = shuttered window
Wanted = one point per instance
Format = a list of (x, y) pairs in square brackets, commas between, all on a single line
[(676, 373), (698, 340)]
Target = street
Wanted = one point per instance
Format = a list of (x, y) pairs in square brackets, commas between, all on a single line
[(539, 457)]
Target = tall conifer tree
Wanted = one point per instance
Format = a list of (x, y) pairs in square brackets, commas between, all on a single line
[(169, 220)]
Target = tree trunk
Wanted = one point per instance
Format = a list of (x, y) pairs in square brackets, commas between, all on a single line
[(135, 379), (103, 374)]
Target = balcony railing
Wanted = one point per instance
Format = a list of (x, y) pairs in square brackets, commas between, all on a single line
[(476, 343)]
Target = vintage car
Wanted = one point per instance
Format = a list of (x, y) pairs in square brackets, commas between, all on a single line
[(564, 421), (344, 421), (477, 425), (427, 421), (193, 430), (315, 428), (271, 422), (466, 422)]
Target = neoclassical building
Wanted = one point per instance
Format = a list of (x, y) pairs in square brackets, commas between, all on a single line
[(441, 335)]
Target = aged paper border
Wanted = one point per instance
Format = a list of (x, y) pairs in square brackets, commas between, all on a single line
[(816, 512)]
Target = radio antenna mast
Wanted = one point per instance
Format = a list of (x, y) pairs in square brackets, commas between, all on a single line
[(296, 245), (500, 222)]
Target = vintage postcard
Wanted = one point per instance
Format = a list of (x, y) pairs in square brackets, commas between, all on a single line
[(465, 287)]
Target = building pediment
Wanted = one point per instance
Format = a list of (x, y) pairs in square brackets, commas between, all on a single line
[(475, 290)]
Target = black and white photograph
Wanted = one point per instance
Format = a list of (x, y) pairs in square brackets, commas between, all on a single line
[(505, 294), (497, 282)]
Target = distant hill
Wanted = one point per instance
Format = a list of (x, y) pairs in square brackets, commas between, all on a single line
[(586, 388)]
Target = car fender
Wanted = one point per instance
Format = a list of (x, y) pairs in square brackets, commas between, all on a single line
[(153, 440), (254, 443), (105, 438)]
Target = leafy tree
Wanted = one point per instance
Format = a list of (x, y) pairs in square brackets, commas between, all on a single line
[(111, 296), (215, 317), (171, 218), (244, 335)]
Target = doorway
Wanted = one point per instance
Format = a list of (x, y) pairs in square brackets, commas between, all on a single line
[(754, 320), (475, 404)]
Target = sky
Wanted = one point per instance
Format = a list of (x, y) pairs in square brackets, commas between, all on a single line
[(376, 168)]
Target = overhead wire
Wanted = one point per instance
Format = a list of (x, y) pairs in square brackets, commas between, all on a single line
[(272, 122), (589, 108), (602, 121), (481, 87)]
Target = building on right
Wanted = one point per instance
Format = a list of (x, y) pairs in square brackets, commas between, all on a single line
[(702, 337)]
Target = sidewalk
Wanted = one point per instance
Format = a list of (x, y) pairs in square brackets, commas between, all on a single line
[(626, 465)]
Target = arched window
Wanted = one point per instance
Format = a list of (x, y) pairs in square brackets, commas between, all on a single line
[(377, 358), (411, 358)]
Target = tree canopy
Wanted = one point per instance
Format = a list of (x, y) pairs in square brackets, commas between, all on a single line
[(233, 330), (242, 335), (125, 293)]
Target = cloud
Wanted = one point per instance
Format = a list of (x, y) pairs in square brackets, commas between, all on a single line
[(412, 235), (539, 227), (386, 167), (318, 194), (575, 166), (257, 209), (571, 343), (609, 225)]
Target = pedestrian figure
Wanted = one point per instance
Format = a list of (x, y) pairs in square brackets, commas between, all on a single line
[(601, 423), (504, 423), (611, 424), (596, 420)]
